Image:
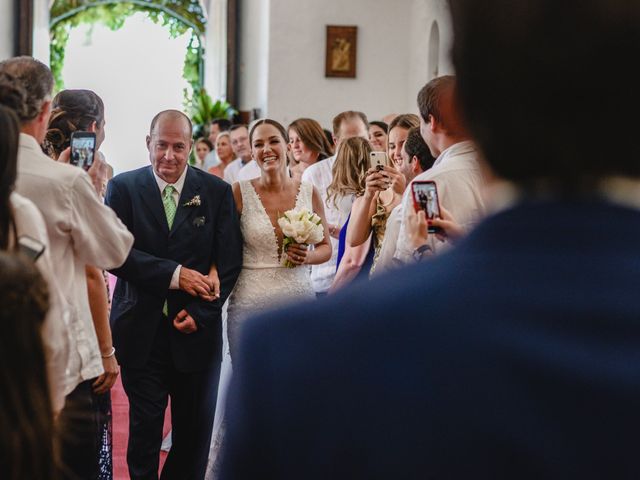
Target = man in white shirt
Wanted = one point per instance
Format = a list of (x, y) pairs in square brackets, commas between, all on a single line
[(456, 170), (82, 231), (345, 125), (239, 136)]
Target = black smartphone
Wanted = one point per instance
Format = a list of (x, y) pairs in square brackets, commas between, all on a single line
[(425, 197), (83, 149), (30, 247)]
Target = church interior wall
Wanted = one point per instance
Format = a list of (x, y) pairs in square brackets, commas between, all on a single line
[(6, 29), (392, 57)]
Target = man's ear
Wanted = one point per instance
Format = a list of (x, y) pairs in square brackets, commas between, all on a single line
[(45, 112), (433, 124), (93, 127), (415, 165), (148, 142)]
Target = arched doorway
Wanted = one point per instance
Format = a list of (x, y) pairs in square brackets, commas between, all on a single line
[(140, 57), (179, 17)]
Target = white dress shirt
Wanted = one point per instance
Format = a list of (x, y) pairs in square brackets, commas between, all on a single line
[(250, 171), (320, 175), (55, 331), (460, 190), (82, 231), (231, 171), (177, 191)]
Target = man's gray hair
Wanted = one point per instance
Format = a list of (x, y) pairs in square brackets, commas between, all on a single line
[(34, 78)]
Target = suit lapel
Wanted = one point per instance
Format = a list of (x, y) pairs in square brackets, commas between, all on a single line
[(151, 197), (189, 191)]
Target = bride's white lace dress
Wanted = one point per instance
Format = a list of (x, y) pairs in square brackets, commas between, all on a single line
[(263, 283)]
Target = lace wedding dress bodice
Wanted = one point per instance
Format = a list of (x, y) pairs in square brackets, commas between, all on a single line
[(264, 281)]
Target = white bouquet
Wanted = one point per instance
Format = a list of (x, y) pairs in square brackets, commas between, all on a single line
[(300, 226)]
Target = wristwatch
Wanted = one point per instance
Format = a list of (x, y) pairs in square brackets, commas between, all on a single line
[(422, 251)]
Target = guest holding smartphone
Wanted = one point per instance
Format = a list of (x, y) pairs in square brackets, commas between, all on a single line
[(83, 111), (383, 192)]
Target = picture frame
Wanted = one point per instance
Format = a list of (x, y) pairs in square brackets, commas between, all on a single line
[(341, 51)]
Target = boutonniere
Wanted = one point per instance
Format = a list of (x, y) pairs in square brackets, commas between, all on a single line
[(194, 202)]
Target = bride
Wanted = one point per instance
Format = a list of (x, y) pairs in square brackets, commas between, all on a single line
[(264, 281)]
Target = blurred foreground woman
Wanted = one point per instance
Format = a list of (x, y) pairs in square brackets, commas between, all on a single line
[(27, 448)]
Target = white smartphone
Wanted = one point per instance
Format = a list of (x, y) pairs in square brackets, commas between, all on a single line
[(378, 160)]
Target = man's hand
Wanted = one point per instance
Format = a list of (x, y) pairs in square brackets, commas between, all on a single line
[(98, 172), (105, 381), (65, 155), (184, 322), (417, 228), (196, 284), (452, 231)]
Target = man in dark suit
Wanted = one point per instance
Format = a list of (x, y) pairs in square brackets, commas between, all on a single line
[(166, 315), (515, 355)]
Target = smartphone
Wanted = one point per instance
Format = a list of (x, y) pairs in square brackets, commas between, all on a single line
[(83, 149), (425, 197), (378, 160), (30, 247)]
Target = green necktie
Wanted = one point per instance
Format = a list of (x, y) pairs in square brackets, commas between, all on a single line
[(169, 204), (170, 211)]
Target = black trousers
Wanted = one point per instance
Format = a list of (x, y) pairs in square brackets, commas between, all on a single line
[(193, 402), (78, 426)]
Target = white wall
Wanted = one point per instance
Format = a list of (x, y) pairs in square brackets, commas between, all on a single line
[(423, 14), (282, 61), (6, 29), (254, 54), (41, 49)]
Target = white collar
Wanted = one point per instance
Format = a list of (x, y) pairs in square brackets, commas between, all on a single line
[(179, 185), (28, 141), (455, 149)]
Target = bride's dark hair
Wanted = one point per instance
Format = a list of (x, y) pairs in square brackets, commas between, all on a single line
[(268, 121)]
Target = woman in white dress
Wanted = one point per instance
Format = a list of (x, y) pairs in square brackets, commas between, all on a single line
[(264, 281)]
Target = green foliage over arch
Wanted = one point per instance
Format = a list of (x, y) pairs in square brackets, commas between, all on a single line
[(178, 16)]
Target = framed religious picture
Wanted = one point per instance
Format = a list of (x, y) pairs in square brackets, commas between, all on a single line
[(341, 51)]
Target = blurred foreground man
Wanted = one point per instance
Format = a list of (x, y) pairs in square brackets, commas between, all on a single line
[(515, 355)]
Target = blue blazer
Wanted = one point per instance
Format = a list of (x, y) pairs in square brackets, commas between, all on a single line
[(514, 356), (200, 236)]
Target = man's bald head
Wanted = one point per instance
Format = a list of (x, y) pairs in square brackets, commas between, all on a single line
[(171, 115)]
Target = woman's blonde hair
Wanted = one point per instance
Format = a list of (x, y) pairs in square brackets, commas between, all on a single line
[(350, 170)]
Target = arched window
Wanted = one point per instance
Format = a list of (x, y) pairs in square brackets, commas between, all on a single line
[(434, 51)]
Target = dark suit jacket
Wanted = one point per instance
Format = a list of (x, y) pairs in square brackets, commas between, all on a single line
[(516, 356), (200, 236)]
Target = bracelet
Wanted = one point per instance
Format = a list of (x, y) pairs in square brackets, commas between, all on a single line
[(110, 354)]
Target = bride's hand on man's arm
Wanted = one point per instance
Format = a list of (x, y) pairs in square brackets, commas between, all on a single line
[(214, 282)]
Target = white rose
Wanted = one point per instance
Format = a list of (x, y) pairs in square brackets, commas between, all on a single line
[(316, 235)]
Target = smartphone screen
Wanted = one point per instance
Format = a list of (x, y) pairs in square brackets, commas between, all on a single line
[(425, 197), (83, 146)]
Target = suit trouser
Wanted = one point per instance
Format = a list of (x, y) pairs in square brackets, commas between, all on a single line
[(78, 427), (193, 400)]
